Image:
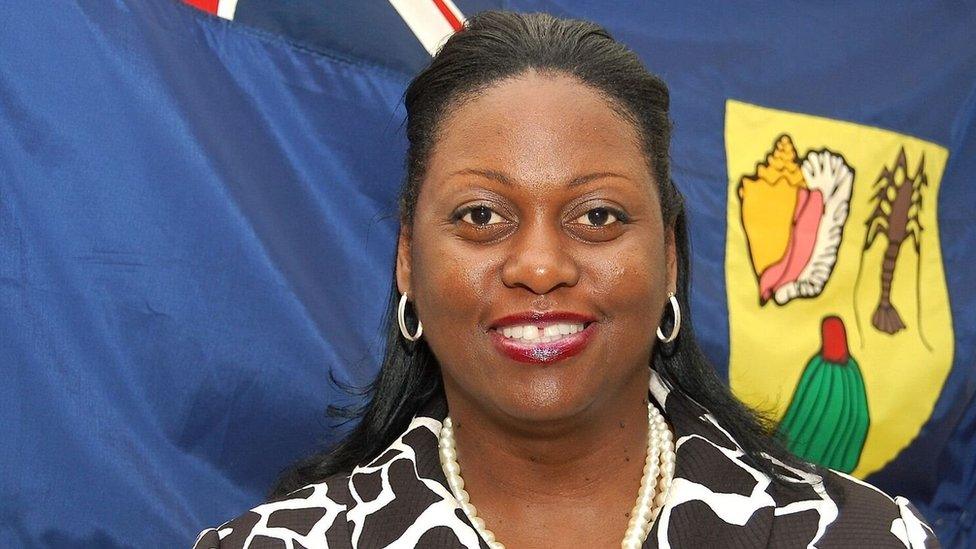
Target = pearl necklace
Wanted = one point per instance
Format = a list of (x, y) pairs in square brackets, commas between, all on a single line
[(650, 497)]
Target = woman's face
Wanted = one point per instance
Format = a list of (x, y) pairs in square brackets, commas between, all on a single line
[(538, 203)]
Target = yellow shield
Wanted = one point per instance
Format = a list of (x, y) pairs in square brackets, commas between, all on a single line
[(832, 227)]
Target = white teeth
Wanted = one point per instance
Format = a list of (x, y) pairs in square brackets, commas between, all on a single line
[(532, 334)]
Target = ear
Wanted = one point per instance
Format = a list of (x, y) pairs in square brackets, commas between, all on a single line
[(403, 261), (671, 254)]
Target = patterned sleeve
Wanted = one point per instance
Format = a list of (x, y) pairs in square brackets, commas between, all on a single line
[(309, 517), (911, 528)]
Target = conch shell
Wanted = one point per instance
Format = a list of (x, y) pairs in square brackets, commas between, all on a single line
[(794, 219), (768, 201)]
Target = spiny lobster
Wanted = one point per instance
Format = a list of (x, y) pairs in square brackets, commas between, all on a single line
[(897, 201)]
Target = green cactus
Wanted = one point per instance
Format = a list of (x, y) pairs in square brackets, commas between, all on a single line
[(827, 420)]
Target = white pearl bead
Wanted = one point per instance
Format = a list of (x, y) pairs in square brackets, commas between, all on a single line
[(471, 510), (452, 468), (645, 501), (631, 540)]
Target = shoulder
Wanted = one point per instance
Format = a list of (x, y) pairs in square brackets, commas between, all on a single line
[(379, 501), (844, 511), (867, 513), (302, 518), (831, 509)]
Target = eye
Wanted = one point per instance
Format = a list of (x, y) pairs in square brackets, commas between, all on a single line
[(480, 215), (599, 217)]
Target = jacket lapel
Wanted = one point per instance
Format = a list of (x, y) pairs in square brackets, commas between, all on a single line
[(715, 500)]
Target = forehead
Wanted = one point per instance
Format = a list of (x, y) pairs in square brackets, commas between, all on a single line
[(538, 127)]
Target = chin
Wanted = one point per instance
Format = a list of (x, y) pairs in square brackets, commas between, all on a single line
[(545, 403)]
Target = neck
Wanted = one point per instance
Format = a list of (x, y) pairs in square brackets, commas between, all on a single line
[(595, 456)]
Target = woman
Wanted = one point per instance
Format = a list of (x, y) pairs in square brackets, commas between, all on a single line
[(542, 386)]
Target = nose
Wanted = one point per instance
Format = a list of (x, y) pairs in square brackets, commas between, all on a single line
[(539, 259)]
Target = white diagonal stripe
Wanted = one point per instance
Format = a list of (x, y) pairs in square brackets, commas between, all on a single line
[(226, 9), (427, 22)]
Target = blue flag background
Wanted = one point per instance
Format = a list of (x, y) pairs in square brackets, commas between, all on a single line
[(197, 222)]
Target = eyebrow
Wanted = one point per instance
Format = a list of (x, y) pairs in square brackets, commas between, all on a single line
[(508, 181)]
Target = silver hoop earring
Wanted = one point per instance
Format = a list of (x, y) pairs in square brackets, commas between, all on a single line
[(401, 309), (677, 321)]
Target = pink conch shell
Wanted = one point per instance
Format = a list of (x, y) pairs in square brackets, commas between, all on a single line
[(806, 221), (828, 174)]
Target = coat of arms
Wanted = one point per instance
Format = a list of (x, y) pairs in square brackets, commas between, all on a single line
[(833, 267)]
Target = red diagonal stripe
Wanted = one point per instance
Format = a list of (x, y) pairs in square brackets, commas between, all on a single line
[(205, 5), (448, 14)]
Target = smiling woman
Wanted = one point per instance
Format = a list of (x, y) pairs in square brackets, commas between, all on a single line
[(543, 244)]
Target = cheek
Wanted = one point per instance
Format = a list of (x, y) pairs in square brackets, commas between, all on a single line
[(453, 289), (628, 286), (450, 281)]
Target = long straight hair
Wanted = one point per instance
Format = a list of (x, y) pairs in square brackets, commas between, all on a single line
[(498, 45)]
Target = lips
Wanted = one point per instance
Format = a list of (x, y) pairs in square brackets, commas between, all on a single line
[(542, 337)]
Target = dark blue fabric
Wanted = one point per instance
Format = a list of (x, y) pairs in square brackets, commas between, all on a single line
[(196, 227)]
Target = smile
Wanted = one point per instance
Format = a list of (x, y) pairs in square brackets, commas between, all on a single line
[(531, 333), (547, 343)]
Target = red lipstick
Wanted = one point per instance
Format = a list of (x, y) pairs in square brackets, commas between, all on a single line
[(542, 353)]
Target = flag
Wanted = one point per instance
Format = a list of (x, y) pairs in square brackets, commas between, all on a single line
[(198, 220)]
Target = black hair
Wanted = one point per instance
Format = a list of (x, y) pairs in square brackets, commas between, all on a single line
[(494, 46)]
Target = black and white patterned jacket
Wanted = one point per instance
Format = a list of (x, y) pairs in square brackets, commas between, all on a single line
[(401, 499)]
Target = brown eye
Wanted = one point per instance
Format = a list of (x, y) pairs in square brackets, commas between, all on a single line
[(481, 216), (598, 217)]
